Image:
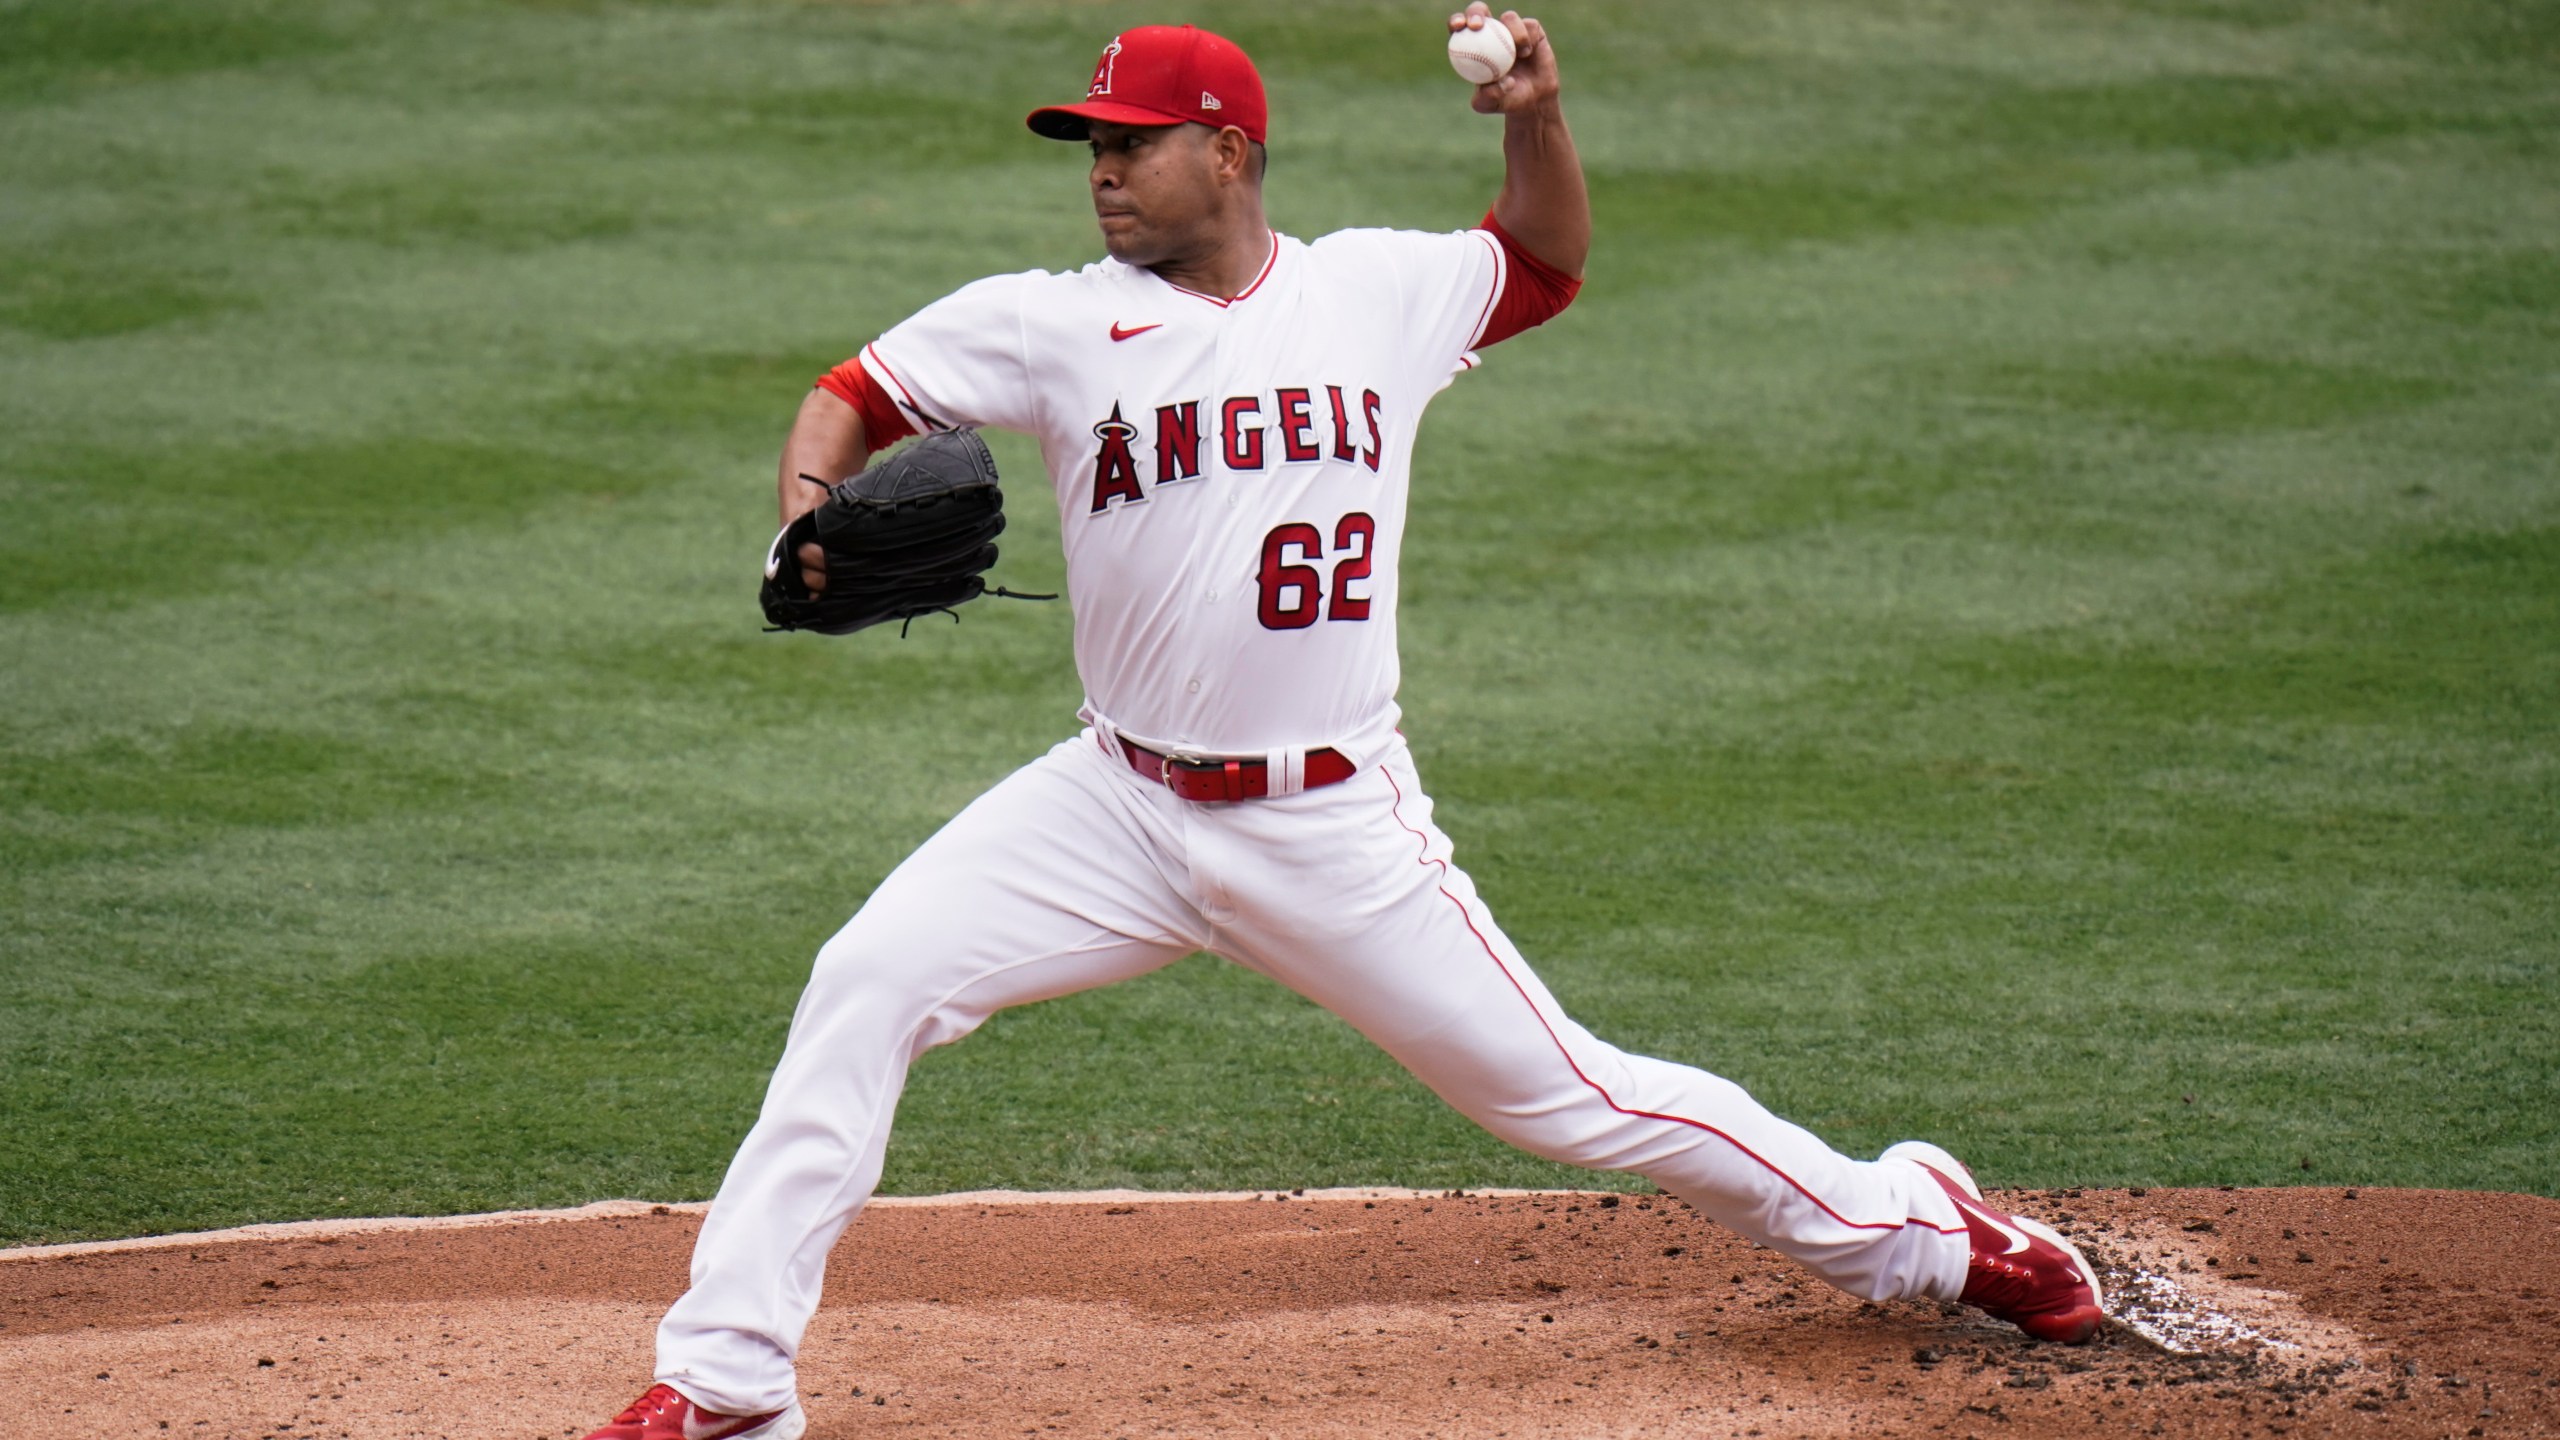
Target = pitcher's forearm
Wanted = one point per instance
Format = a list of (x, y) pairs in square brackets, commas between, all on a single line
[(1544, 203), (827, 442)]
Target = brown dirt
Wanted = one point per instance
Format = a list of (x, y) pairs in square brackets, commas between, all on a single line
[(2380, 1313)]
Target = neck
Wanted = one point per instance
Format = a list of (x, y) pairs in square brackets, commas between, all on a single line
[(1225, 268)]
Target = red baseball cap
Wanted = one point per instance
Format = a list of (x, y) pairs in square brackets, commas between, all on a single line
[(1165, 75)]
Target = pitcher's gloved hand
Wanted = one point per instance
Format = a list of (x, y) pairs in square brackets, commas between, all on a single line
[(912, 535)]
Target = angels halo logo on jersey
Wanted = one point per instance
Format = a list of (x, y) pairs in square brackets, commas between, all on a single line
[(1115, 470)]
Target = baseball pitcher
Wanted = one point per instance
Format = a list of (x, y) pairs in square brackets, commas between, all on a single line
[(1226, 416)]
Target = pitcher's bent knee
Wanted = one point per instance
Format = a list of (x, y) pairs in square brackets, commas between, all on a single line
[(865, 993)]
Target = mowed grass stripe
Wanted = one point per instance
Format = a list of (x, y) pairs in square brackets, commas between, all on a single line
[(2017, 608)]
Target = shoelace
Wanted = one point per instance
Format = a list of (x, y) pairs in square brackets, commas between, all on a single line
[(1998, 1285)]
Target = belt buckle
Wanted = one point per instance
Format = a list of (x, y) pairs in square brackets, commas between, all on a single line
[(1171, 758)]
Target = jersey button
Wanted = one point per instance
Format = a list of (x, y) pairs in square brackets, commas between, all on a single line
[(1192, 685)]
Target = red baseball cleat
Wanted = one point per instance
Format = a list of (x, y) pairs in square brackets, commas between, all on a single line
[(665, 1414), (2022, 1271)]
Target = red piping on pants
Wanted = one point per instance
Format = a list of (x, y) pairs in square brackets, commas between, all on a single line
[(1397, 810)]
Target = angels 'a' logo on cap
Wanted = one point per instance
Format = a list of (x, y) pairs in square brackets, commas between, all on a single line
[(1209, 101), (1102, 70)]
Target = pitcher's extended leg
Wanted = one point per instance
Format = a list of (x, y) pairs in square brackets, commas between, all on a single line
[(1049, 884), (1394, 940)]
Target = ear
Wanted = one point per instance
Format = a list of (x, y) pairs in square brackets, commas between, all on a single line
[(1231, 155)]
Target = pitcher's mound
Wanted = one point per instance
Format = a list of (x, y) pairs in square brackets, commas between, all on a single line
[(2310, 1312)]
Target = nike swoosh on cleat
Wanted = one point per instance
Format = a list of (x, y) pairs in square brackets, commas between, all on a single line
[(1119, 334), (698, 1426), (2053, 1237), (2017, 1238)]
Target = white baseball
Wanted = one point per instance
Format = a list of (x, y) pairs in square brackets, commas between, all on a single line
[(1482, 56)]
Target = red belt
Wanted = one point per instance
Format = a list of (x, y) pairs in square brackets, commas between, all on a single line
[(1230, 779)]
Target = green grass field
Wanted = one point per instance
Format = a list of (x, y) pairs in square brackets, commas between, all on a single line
[(2022, 606)]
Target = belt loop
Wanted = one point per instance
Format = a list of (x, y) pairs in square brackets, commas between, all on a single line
[(1104, 731), (1233, 773), (1287, 768)]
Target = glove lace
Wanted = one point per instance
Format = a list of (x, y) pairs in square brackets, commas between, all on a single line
[(954, 614)]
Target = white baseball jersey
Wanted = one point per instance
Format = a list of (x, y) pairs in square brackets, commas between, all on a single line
[(1230, 474)]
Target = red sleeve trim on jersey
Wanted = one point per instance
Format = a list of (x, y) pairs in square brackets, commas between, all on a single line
[(882, 425), (1533, 291)]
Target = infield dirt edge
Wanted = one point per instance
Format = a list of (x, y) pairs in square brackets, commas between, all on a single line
[(615, 1209)]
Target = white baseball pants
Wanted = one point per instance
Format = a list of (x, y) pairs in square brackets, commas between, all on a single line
[(1075, 872)]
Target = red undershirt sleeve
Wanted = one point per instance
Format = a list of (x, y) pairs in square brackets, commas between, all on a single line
[(882, 425), (1533, 291)]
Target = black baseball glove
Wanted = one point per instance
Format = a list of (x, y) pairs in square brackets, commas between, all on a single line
[(912, 535)]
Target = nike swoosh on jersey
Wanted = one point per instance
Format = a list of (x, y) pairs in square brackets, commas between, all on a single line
[(1119, 334)]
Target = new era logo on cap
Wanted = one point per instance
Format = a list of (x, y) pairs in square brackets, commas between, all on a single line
[(1165, 75)]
